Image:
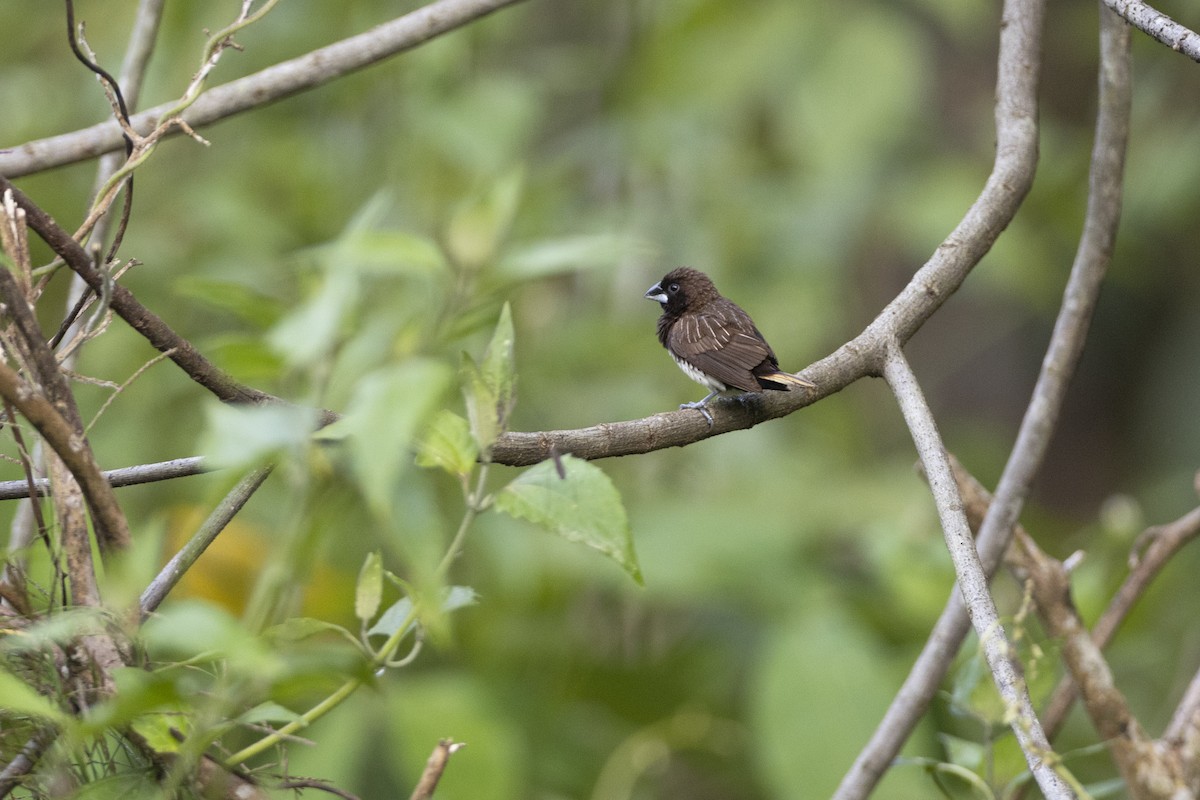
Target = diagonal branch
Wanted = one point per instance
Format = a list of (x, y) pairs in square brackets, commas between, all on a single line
[(972, 580), (1168, 540), (130, 309), (1158, 26), (1133, 751), (182, 561), (72, 448), (1062, 356), (261, 88)]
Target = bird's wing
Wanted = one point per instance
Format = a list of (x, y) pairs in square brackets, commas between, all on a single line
[(723, 343)]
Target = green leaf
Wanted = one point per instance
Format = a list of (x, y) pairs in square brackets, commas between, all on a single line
[(18, 697), (389, 406), (566, 254), (481, 224), (238, 436), (454, 598), (582, 506), (397, 615), (269, 711), (195, 629), (490, 386), (447, 443), (369, 591), (243, 301), (310, 332), (481, 406), (499, 365), (297, 629), (392, 252), (963, 752)]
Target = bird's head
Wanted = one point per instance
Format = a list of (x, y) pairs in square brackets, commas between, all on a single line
[(681, 289)]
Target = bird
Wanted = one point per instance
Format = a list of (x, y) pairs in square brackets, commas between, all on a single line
[(714, 341)]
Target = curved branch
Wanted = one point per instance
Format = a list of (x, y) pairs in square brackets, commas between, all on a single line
[(1062, 355), (261, 88), (1158, 26), (1011, 177)]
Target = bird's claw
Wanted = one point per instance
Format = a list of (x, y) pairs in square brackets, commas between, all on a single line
[(698, 407)]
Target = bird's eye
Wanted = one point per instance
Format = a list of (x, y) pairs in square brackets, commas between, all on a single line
[(673, 288)]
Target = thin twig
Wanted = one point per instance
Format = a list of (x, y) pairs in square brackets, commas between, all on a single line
[(1167, 540), (434, 768), (182, 561), (321, 786), (129, 308), (25, 761), (124, 476), (1150, 773)]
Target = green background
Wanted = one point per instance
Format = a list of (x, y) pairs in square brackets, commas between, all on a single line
[(808, 156)]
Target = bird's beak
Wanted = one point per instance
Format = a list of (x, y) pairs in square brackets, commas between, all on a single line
[(656, 293)]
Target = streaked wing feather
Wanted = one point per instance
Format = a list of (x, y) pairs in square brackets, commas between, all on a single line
[(724, 343)]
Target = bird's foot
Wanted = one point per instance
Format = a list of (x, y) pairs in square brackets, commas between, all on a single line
[(699, 406)]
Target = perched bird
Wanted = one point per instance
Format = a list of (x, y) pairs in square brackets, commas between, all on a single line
[(713, 341)]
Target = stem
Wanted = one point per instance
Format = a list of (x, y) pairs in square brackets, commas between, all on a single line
[(475, 503)]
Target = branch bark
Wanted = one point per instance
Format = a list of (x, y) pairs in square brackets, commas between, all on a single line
[(261, 88), (1037, 426), (972, 580), (1158, 26)]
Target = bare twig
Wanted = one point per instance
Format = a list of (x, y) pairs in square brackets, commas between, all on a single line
[(1150, 773), (1184, 720), (261, 88), (434, 768), (1159, 26), (225, 511), (125, 476), (1166, 541), (1134, 752), (972, 581), (25, 760), (321, 786), (56, 416), (140, 318)]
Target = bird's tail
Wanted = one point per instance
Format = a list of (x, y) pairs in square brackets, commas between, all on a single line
[(786, 379)]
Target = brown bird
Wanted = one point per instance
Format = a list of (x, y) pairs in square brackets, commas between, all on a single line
[(713, 341)]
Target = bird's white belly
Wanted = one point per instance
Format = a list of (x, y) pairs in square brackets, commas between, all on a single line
[(699, 377)]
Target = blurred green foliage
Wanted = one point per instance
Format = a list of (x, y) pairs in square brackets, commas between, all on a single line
[(343, 248)]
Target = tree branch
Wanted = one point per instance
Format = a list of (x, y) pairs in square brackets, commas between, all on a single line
[(261, 88), (1149, 773), (1051, 592), (130, 309), (434, 768), (972, 581), (1168, 540), (72, 448), (182, 561), (1158, 26), (125, 476), (1058, 366)]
